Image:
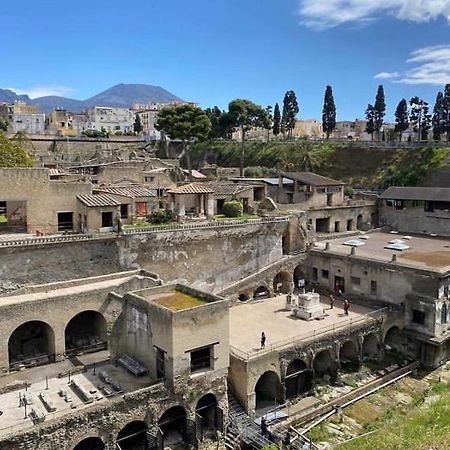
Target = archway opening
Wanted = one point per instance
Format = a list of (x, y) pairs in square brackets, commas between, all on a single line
[(348, 357), (298, 379), (299, 277), (31, 344), (268, 390), (359, 222), (243, 297), (394, 343), (282, 283), (261, 292), (133, 436), (370, 347), (323, 364), (86, 333), (206, 411), (173, 425), (92, 443)]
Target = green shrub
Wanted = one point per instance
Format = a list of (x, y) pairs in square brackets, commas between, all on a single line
[(159, 216), (233, 209), (348, 191)]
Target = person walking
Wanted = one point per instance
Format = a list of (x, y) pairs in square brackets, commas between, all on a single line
[(263, 426), (331, 301), (263, 340), (346, 306)]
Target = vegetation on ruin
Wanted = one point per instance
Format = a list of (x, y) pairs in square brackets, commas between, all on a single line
[(233, 208), (177, 301), (12, 154)]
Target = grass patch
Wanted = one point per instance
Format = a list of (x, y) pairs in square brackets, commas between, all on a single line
[(319, 433), (177, 301), (3, 218)]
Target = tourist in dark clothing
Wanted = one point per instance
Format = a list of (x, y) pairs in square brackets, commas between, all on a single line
[(263, 426), (263, 340), (346, 306)]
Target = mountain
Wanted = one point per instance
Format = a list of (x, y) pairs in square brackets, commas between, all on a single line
[(121, 95)]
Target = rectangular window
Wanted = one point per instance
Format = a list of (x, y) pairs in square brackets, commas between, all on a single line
[(325, 274), (418, 317), (107, 219), (356, 281), (315, 271), (373, 287), (124, 211), (201, 359), (65, 221)]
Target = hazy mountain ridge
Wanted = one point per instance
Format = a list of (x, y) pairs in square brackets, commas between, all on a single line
[(120, 95)]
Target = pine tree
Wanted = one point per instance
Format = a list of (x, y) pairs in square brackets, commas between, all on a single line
[(328, 112), (137, 127), (379, 109), (276, 120), (446, 111), (290, 111), (438, 117), (370, 118), (419, 117), (401, 118)]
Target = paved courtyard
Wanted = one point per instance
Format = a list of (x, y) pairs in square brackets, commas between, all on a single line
[(248, 320)]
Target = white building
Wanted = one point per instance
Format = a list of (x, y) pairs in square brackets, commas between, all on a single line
[(111, 119), (31, 123)]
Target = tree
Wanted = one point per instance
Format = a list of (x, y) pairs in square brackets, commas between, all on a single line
[(419, 117), (218, 128), (370, 118), (438, 117), (4, 125), (276, 120), (401, 118), (137, 126), (12, 154), (290, 111), (244, 115), (268, 121), (185, 122), (328, 113), (446, 111), (379, 110)]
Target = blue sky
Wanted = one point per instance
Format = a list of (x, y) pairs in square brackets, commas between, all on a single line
[(212, 51)]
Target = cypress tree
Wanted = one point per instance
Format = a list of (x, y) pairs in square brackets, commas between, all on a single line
[(379, 109), (370, 124), (438, 117), (290, 111), (446, 111), (328, 112), (276, 120), (401, 118)]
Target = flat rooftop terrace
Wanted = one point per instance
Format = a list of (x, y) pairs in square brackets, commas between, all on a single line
[(426, 253), (174, 300), (249, 320), (13, 418)]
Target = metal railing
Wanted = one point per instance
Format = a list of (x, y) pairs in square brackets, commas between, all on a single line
[(45, 240), (313, 334)]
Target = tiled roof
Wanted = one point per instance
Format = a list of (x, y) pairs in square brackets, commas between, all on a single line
[(128, 191), (417, 193), (191, 188), (195, 174), (311, 178), (96, 200), (228, 188)]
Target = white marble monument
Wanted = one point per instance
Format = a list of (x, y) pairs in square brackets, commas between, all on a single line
[(308, 306)]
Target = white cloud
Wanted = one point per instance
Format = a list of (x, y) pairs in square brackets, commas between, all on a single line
[(42, 91), (386, 75), (322, 14), (432, 67)]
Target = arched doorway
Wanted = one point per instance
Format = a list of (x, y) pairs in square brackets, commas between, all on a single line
[(268, 390), (359, 222), (299, 277), (282, 283), (206, 411), (243, 297), (370, 346), (298, 378), (31, 344), (261, 292), (133, 436), (86, 332), (349, 357), (173, 425), (323, 363), (92, 443), (394, 339)]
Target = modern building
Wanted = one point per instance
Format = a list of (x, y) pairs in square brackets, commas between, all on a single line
[(111, 119)]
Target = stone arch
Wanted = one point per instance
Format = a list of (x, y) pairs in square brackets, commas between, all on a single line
[(243, 297), (261, 292), (268, 390), (133, 435), (349, 356), (359, 222), (323, 363), (86, 332), (173, 425), (90, 443), (282, 283), (298, 378), (206, 409), (394, 339), (31, 344), (299, 274), (370, 346)]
